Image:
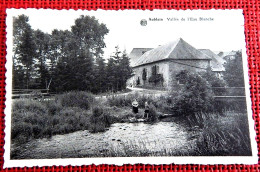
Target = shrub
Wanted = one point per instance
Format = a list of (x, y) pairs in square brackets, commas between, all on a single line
[(79, 99), (29, 105), (195, 95), (53, 107), (21, 132), (212, 79), (32, 119), (153, 115), (29, 118), (70, 119), (99, 120)]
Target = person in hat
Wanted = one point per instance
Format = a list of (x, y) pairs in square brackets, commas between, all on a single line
[(135, 106)]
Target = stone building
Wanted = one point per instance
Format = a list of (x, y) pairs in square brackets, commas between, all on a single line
[(216, 63), (158, 67)]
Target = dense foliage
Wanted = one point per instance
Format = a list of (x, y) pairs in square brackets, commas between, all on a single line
[(195, 95), (67, 60), (212, 79), (215, 82), (233, 74)]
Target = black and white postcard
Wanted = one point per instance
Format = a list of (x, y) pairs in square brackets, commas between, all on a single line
[(126, 87)]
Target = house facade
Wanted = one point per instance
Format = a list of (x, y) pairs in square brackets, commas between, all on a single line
[(217, 62), (158, 67)]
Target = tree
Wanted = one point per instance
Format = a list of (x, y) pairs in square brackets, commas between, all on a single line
[(233, 74), (77, 50), (89, 35), (118, 70), (42, 41), (125, 70), (111, 74), (65, 58), (100, 76), (24, 51), (60, 45)]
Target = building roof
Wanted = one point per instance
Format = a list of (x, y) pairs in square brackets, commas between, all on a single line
[(217, 62), (223, 54), (178, 50), (136, 53)]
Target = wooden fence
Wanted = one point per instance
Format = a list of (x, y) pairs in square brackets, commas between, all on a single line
[(30, 93), (229, 93)]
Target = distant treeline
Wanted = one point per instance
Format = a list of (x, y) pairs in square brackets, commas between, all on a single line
[(67, 60)]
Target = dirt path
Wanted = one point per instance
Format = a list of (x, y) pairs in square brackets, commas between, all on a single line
[(122, 139)]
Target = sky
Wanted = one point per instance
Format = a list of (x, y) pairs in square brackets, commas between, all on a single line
[(223, 31)]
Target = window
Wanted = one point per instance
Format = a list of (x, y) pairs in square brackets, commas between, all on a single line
[(138, 81), (144, 75), (155, 69)]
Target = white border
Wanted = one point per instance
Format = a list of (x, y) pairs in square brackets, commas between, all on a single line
[(122, 160)]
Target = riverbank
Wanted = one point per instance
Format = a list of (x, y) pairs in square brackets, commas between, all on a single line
[(170, 137), (74, 111), (35, 122)]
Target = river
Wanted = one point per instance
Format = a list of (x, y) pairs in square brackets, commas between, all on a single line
[(121, 139)]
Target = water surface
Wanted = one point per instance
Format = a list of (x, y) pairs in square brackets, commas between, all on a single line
[(121, 139)]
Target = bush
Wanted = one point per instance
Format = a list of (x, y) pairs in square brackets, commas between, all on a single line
[(99, 120), (21, 132), (195, 95), (32, 119), (70, 119), (212, 79), (29, 118), (153, 115), (28, 105), (79, 99), (53, 107)]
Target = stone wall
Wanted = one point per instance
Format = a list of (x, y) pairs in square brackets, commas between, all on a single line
[(175, 66), (168, 69), (138, 72)]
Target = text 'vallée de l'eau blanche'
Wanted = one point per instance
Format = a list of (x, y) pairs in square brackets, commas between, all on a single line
[(190, 19)]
